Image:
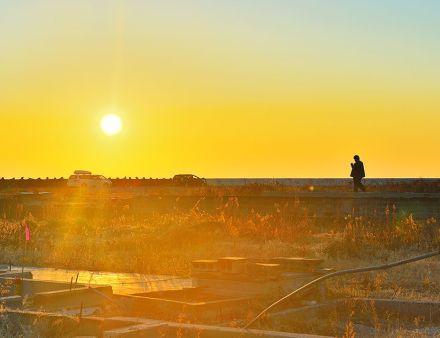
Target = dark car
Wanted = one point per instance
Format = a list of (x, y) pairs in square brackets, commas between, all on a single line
[(188, 180)]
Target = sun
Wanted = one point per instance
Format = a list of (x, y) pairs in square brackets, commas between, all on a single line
[(111, 124)]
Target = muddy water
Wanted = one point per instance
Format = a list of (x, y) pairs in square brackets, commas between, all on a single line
[(122, 283)]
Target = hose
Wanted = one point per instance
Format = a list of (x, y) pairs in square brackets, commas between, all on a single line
[(339, 273)]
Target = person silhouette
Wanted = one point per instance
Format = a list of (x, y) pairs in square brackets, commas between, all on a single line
[(358, 173)]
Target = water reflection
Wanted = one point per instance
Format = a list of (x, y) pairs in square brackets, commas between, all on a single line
[(122, 283)]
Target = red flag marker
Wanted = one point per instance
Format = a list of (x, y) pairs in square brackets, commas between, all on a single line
[(27, 232)]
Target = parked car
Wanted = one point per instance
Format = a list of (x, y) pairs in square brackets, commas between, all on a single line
[(84, 178), (188, 180)]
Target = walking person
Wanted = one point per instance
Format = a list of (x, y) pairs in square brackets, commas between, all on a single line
[(358, 173)]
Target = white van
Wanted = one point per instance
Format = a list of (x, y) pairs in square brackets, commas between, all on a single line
[(84, 178)]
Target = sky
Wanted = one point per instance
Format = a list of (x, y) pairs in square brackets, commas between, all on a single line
[(231, 88)]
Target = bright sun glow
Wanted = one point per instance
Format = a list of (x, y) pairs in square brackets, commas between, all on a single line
[(111, 124)]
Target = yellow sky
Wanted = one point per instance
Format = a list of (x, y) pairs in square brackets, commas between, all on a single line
[(230, 89)]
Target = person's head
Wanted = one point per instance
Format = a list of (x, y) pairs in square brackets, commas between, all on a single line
[(356, 158)]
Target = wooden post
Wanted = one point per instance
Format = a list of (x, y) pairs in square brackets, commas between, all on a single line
[(80, 312)]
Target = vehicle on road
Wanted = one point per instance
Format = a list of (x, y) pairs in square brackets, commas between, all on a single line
[(84, 178), (188, 180)]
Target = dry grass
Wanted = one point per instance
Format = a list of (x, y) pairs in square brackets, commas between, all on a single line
[(166, 242), (35, 328), (154, 242), (117, 238)]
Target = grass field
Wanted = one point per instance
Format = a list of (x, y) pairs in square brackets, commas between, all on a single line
[(166, 242)]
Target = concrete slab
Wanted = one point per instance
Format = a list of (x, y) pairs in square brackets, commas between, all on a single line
[(138, 330), (121, 283), (172, 307), (11, 302), (75, 298), (29, 287), (298, 264), (138, 327), (174, 329), (54, 295), (16, 274), (253, 288)]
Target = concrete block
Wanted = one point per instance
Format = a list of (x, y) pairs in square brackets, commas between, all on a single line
[(16, 274), (263, 270), (29, 287), (204, 265), (232, 264), (205, 306), (11, 302), (87, 296), (4, 268), (298, 264)]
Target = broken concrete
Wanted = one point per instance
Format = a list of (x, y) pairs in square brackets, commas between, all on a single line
[(195, 304), (75, 298), (51, 295), (127, 327)]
